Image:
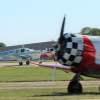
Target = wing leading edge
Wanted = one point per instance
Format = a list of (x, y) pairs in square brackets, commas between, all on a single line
[(66, 68), (53, 66)]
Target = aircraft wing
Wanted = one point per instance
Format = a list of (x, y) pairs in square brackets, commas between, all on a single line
[(48, 54), (62, 67), (68, 68), (24, 56)]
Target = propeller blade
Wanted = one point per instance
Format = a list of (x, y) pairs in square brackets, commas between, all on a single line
[(55, 69), (40, 55), (62, 30), (56, 46)]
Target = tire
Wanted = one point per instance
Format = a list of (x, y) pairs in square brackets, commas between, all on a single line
[(27, 63), (72, 87), (20, 63), (40, 62)]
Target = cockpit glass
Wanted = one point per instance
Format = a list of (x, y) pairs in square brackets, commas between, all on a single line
[(22, 50), (28, 49), (11, 52), (51, 49)]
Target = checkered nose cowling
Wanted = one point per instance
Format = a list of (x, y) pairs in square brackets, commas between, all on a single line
[(69, 51)]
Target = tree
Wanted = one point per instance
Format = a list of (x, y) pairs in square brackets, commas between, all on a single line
[(90, 31), (95, 32), (85, 31), (2, 45)]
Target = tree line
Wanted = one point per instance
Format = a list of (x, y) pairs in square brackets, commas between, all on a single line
[(90, 31), (2, 44)]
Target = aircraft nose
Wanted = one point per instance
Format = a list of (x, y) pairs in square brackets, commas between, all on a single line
[(66, 52)]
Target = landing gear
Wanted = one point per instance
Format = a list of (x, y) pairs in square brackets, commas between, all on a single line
[(20, 63), (40, 62), (74, 86), (27, 63)]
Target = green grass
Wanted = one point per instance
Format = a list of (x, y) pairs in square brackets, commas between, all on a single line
[(48, 94), (24, 74)]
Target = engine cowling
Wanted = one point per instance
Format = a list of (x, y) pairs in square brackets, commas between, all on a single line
[(69, 51)]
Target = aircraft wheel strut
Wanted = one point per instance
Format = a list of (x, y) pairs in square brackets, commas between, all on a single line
[(74, 87)]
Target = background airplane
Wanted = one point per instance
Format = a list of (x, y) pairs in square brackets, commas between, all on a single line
[(20, 54), (50, 52), (79, 54)]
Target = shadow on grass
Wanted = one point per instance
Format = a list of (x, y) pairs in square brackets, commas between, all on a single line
[(16, 65), (67, 94), (11, 65)]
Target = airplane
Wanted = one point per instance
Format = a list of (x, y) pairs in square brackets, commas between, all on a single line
[(79, 54), (50, 52), (20, 54)]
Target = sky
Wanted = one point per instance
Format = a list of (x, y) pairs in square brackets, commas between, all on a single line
[(32, 21)]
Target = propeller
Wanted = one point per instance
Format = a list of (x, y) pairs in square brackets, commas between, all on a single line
[(56, 46), (54, 68), (62, 30), (40, 55)]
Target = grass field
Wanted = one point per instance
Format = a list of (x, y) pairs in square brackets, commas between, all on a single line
[(48, 94), (30, 74), (36, 73)]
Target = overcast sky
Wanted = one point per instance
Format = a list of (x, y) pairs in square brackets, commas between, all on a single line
[(32, 21)]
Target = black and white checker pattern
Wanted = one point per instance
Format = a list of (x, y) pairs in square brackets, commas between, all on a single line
[(74, 50)]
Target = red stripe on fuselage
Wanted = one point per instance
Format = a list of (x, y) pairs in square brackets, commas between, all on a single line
[(88, 59), (87, 42)]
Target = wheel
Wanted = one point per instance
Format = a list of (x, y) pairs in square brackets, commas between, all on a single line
[(72, 87), (20, 63), (27, 63), (40, 62)]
